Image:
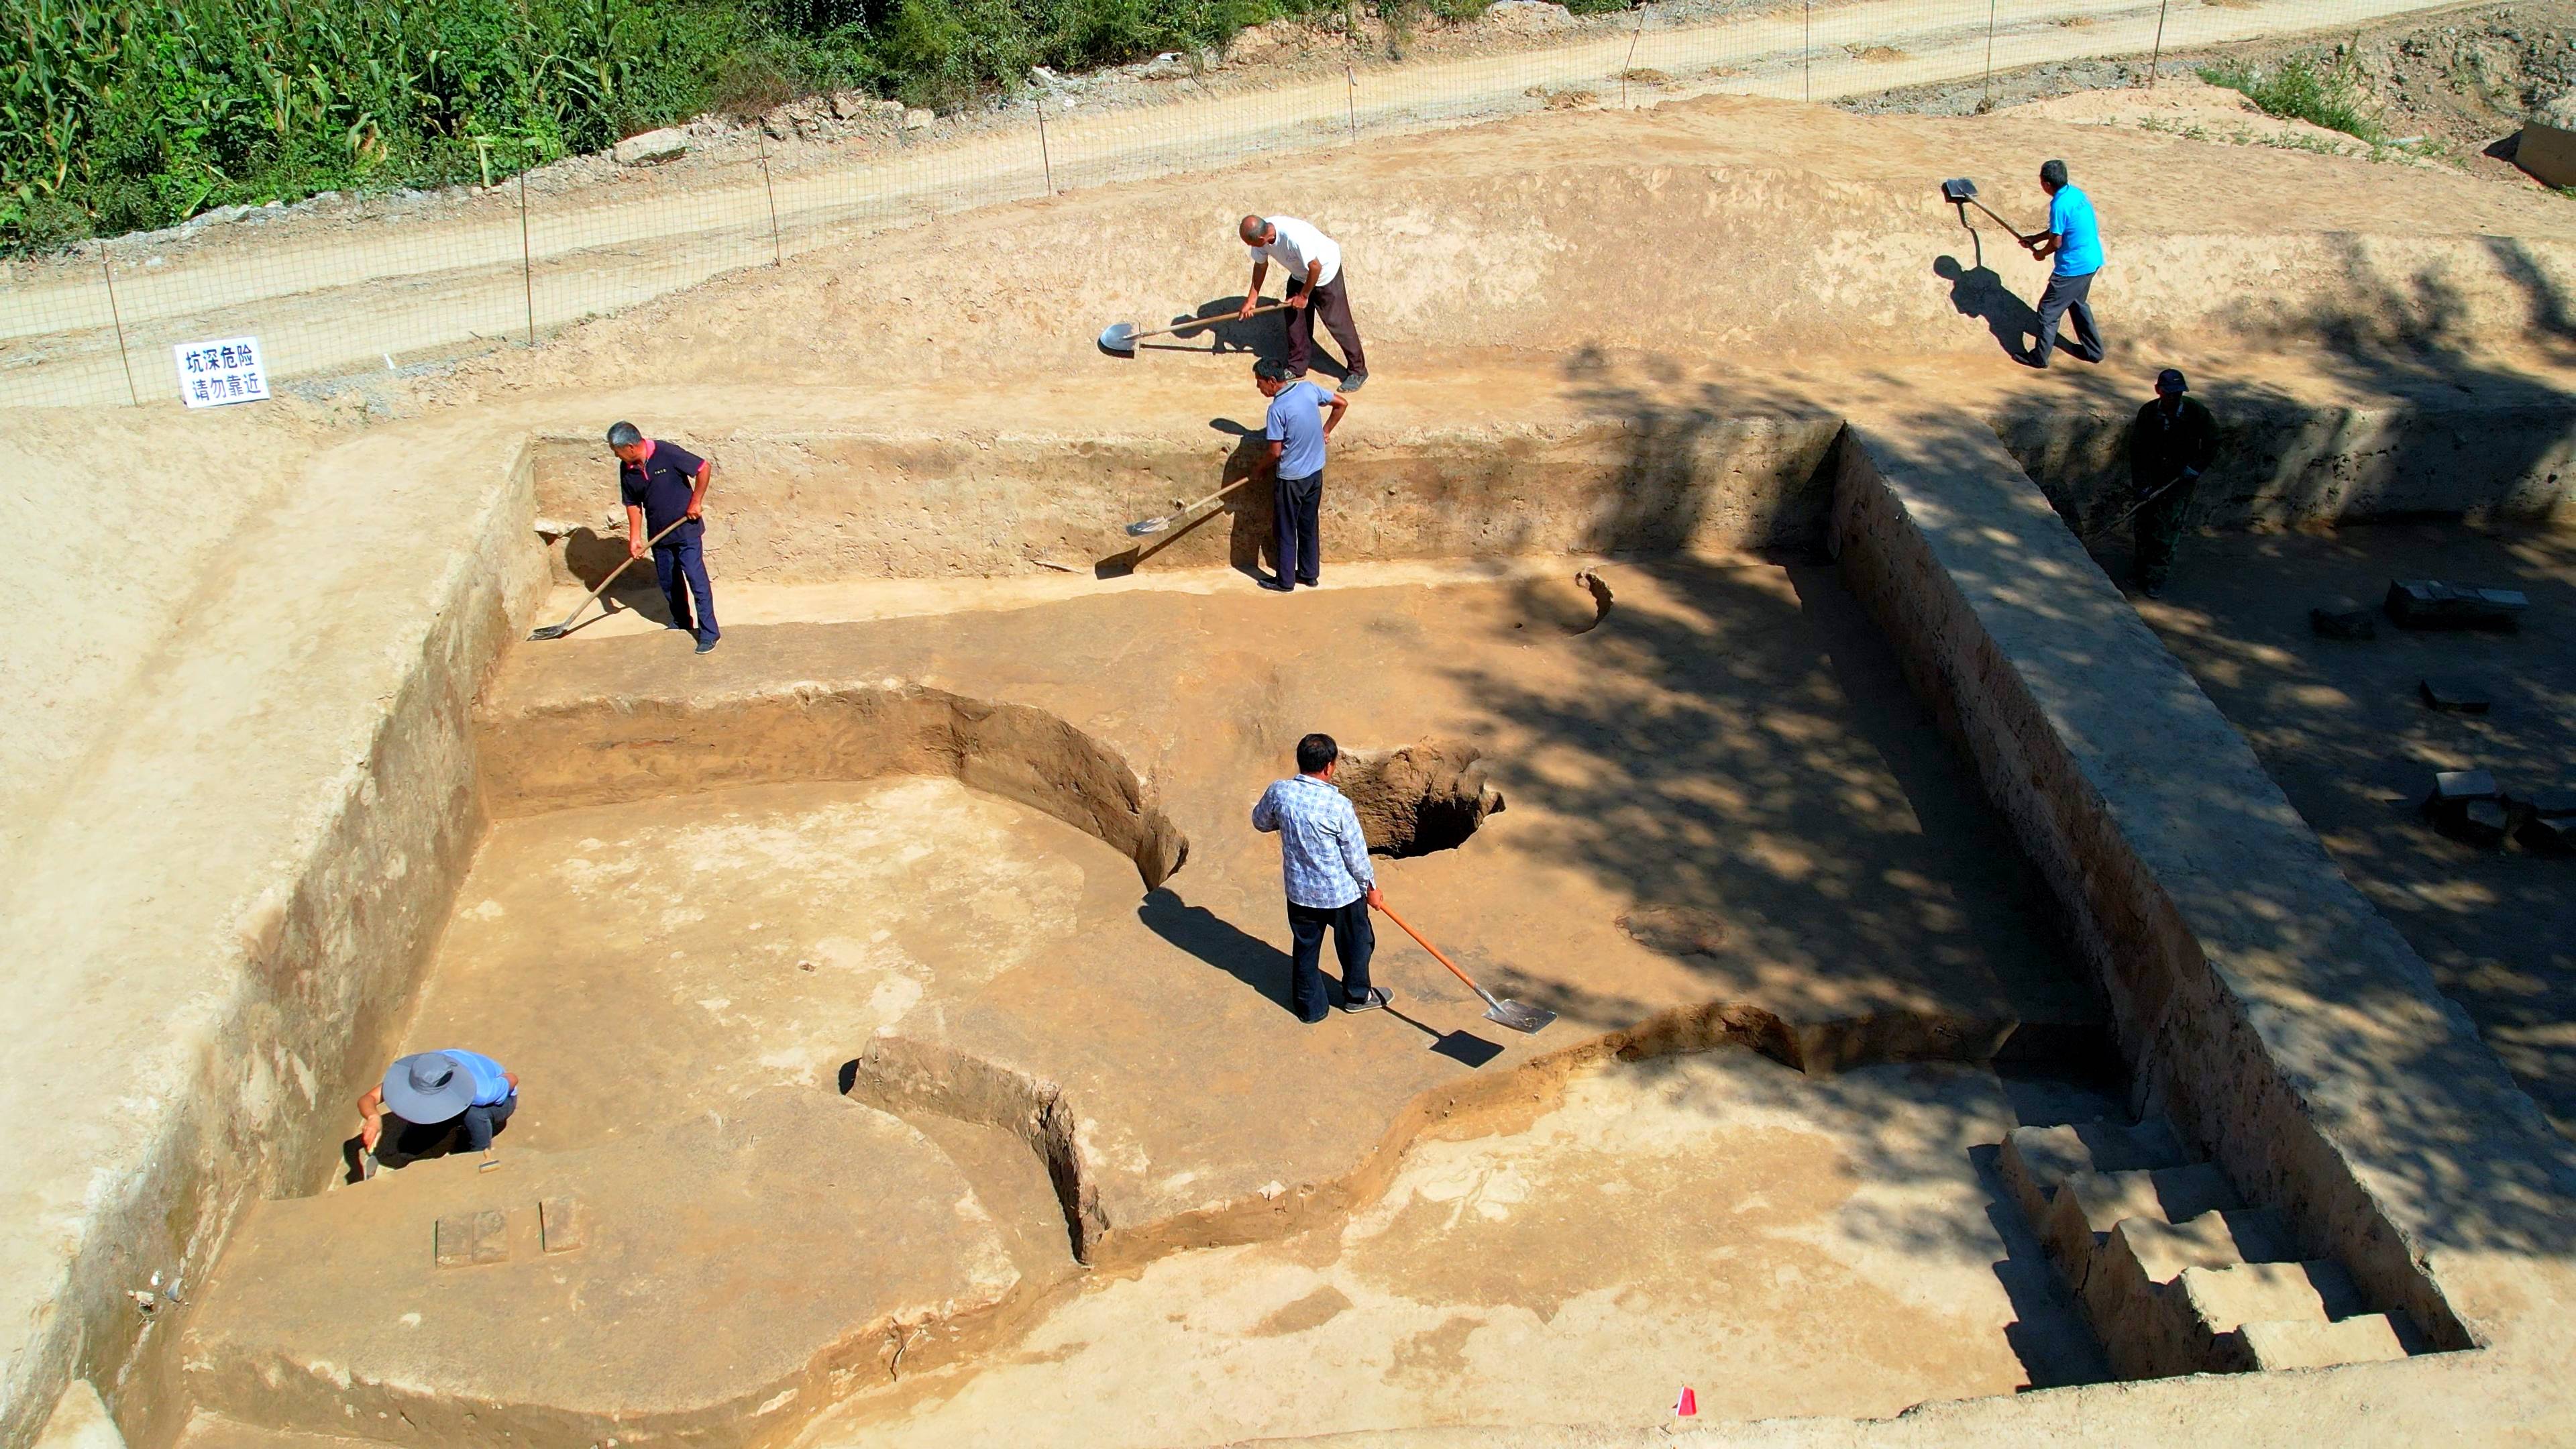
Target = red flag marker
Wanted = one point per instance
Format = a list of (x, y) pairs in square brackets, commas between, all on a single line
[(1687, 1406)]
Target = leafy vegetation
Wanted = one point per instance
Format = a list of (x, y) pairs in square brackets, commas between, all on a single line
[(2328, 96), (120, 115)]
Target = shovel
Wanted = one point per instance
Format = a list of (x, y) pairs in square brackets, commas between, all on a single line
[(1503, 1011), (1960, 191), (1160, 522), (557, 631), (1119, 338)]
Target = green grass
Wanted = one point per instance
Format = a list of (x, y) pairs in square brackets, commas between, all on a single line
[(2297, 90), (124, 115)]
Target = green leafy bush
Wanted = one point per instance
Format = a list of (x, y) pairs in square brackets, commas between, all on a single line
[(2328, 96), (118, 115)]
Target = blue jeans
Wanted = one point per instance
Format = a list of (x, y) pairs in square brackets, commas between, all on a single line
[(680, 563)]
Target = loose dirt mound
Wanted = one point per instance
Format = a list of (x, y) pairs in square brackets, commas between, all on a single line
[(1420, 798)]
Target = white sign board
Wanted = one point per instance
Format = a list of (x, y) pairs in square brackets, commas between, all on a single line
[(212, 374)]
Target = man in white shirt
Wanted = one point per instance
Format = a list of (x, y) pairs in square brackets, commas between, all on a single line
[(1313, 262)]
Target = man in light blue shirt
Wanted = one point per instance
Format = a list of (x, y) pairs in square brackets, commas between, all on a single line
[(2075, 239), (1296, 431), (1324, 856)]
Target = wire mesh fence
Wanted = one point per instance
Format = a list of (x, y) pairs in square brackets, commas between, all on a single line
[(437, 277)]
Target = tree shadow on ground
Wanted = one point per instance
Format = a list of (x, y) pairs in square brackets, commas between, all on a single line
[(2466, 1160)]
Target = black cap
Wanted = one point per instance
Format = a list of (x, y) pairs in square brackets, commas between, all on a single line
[(2170, 381)]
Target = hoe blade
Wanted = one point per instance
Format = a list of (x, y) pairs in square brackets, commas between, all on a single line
[(1958, 188), (547, 631), (1118, 339), (1519, 1016)]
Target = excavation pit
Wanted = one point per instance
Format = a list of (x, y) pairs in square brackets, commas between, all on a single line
[(1866, 816), (987, 915)]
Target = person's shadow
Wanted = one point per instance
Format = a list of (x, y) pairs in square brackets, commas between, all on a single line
[(1218, 942), (592, 556), (1978, 292)]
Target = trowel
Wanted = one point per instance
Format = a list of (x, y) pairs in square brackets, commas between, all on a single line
[(1118, 339)]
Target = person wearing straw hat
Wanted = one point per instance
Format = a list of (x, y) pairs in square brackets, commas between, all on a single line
[(433, 1103)]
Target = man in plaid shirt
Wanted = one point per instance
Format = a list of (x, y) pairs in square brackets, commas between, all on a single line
[(1325, 858)]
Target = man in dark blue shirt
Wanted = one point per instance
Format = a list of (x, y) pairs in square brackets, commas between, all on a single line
[(664, 483)]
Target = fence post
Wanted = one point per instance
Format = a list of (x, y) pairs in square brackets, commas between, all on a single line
[(1807, 52), (1987, 102), (1639, 34), (1350, 66), (777, 249), (2158, 55), (527, 262), (1045, 159), (117, 317)]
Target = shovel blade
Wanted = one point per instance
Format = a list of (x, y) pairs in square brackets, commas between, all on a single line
[(1519, 1016), (1118, 339), (1145, 526), (1958, 188), (547, 631)]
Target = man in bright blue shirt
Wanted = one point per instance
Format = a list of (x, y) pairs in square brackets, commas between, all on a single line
[(436, 1103), (2075, 239), (1296, 432)]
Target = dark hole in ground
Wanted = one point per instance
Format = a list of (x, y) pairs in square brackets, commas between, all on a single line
[(1420, 798)]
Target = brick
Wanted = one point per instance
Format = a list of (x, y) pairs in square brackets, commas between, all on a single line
[(2453, 696), (464, 1239), (563, 1224), (2433, 604)]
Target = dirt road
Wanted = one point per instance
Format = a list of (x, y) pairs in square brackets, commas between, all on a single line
[(332, 299)]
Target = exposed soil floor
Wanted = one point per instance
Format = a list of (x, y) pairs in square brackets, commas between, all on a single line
[(1786, 1244), (1718, 793), (2341, 726)]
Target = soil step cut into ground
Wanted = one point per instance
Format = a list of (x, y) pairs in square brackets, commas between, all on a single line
[(2176, 1274)]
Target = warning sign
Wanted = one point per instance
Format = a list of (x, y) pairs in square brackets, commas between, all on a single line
[(212, 374)]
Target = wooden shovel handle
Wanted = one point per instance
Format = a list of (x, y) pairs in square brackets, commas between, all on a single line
[(621, 568), (1208, 321), (1435, 953)]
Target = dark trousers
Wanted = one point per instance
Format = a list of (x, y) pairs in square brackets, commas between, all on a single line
[(1296, 505), (1354, 940), (2160, 528), (2065, 295), (680, 563), (1335, 306), (471, 1131)]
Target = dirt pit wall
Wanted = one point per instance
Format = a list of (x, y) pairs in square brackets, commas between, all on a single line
[(2509, 457), (2210, 912), (827, 506)]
